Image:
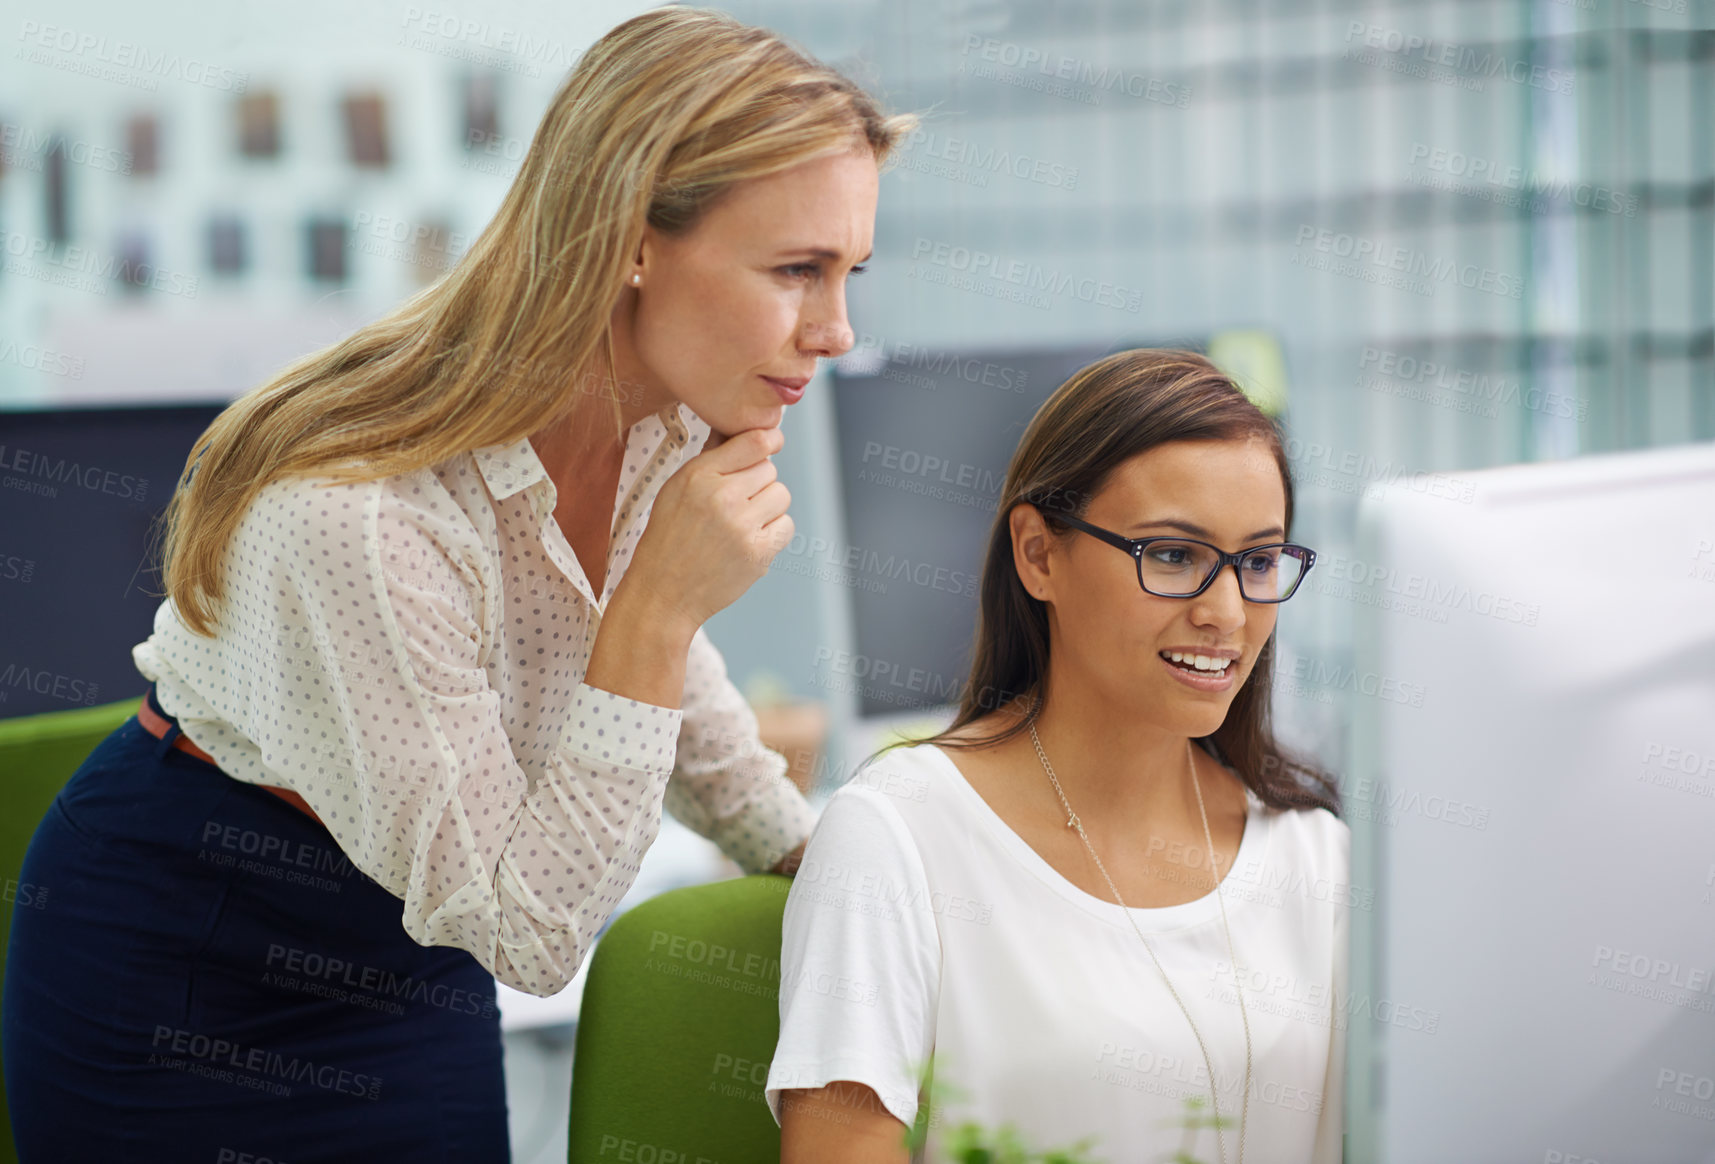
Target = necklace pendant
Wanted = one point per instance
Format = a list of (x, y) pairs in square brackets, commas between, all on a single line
[(1071, 820)]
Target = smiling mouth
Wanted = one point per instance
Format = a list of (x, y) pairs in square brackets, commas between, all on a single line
[(1198, 664)]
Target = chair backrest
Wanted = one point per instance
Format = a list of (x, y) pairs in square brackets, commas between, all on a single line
[(678, 1024), (38, 754)]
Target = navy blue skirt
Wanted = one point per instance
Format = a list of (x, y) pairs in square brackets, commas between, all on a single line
[(212, 979)]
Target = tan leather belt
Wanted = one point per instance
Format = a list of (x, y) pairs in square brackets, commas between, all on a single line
[(158, 725)]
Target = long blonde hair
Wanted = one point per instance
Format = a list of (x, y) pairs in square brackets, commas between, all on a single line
[(661, 116)]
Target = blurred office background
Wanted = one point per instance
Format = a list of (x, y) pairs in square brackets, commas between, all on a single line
[(1432, 237)]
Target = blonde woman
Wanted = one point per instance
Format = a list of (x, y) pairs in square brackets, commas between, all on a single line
[(431, 659), (1104, 890)]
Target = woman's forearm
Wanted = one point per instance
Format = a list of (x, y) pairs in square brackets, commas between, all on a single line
[(841, 1123), (640, 651)]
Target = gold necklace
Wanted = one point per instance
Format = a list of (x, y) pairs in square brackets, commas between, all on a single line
[(1072, 822)]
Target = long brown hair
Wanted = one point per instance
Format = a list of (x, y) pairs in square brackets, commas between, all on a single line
[(659, 118), (1102, 416)]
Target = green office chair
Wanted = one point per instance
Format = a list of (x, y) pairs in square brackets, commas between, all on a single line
[(678, 1024), (38, 754)]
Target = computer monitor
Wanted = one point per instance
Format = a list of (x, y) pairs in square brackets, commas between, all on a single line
[(1536, 978), (80, 491), (924, 437)]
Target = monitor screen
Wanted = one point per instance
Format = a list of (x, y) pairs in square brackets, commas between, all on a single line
[(924, 437), (83, 489), (1534, 980)]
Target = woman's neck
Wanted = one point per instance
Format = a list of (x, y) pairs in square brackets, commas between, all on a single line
[(578, 448), (1116, 765)]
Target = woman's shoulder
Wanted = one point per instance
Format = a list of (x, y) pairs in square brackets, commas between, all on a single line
[(428, 485), (1318, 821), (1313, 835), (898, 772), (918, 777), (424, 504), (867, 828), (314, 501)]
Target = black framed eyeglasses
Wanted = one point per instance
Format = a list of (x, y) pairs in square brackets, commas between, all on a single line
[(1178, 567)]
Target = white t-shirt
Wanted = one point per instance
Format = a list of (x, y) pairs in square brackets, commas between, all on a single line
[(920, 922)]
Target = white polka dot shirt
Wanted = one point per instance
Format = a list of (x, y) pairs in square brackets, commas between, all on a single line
[(408, 655)]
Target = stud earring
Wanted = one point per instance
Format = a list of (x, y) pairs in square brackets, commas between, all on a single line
[(636, 279)]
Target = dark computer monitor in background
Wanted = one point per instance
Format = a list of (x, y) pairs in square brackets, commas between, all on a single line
[(80, 493), (924, 437)]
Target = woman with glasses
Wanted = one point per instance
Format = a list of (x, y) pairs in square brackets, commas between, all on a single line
[(1103, 907)]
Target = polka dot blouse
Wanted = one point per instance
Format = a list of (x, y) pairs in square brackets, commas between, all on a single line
[(408, 655)]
